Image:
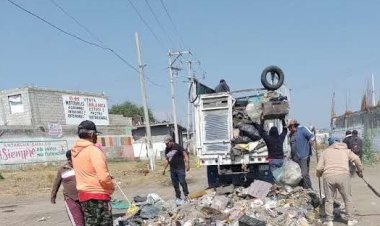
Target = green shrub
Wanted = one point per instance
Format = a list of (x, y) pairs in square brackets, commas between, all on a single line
[(369, 156)]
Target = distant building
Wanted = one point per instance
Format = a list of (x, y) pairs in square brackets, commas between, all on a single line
[(158, 131), (365, 122), (38, 125)]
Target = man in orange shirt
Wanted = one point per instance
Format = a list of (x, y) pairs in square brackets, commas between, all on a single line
[(94, 182)]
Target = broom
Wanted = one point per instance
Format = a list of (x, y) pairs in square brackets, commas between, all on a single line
[(372, 188), (132, 208)]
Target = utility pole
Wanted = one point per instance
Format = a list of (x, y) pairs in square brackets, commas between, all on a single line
[(144, 102), (373, 91), (172, 92), (190, 80)]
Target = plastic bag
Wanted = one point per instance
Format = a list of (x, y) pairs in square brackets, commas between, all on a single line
[(291, 173), (288, 174), (241, 140), (254, 112), (250, 131)]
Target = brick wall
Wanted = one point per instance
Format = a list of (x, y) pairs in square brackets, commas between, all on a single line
[(8, 118)]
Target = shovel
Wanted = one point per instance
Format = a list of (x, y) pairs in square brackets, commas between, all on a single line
[(372, 189)]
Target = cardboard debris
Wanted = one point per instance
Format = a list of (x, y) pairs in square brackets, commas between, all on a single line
[(259, 189)]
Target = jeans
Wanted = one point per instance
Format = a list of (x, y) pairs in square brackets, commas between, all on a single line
[(304, 165), (178, 176), (273, 165)]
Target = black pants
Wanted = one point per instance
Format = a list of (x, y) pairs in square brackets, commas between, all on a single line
[(305, 167), (178, 177)]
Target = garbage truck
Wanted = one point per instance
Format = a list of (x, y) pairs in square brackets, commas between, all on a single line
[(226, 140)]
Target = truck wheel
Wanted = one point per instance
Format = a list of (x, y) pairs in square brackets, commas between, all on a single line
[(276, 78)]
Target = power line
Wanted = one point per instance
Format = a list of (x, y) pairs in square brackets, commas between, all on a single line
[(146, 24), (97, 38), (158, 21), (76, 21), (83, 40), (153, 82), (171, 20), (75, 36)]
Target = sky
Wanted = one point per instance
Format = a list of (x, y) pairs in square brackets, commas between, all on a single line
[(322, 46)]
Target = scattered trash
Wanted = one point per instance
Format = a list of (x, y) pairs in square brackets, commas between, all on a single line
[(153, 198), (139, 199), (197, 194), (250, 221), (42, 219), (259, 189), (150, 212), (226, 190), (119, 204), (259, 204), (220, 202)]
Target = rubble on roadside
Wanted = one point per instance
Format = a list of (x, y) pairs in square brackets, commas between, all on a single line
[(229, 205)]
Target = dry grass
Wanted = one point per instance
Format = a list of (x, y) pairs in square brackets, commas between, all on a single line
[(38, 180)]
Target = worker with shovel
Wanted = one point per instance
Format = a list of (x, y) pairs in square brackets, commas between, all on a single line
[(333, 167)]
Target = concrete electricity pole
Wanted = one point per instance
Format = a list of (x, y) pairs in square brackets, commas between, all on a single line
[(144, 102), (189, 110), (172, 92), (373, 91)]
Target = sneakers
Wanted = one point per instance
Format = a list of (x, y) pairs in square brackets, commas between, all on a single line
[(352, 222), (187, 199), (179, 202), (328, 223)]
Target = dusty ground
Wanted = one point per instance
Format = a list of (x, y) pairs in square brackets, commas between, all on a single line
[(25, 195)]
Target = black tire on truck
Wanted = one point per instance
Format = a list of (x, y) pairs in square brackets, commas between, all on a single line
[(274, 71)]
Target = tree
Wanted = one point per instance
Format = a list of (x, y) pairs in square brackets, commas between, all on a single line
[(129, 109)]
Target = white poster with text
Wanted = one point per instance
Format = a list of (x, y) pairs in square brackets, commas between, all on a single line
[(80, 108)]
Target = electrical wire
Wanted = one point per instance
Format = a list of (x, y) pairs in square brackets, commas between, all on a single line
[(81, 39), (77, 22), (158, 21), (74, 35), (172, 22), (97, 38), (147, 25)]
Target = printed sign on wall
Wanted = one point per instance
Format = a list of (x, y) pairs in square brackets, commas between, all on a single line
[(55, 130), (80, 108), (18, 152)]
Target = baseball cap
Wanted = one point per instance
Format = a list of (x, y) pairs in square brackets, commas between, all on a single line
[(293, 122), (87, 126), (332, 140), (167, 139)]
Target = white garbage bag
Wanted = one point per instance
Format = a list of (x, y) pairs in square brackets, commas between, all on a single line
[(288, 174)]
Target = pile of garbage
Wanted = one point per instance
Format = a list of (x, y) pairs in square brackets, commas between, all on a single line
[(246, 138), (259, 204)]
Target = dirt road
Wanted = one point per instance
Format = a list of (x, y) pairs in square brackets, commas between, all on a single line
[(36, 209)]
